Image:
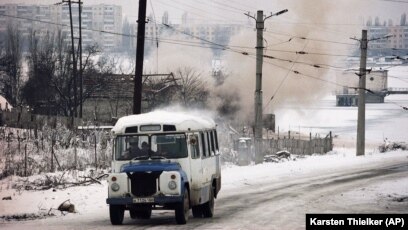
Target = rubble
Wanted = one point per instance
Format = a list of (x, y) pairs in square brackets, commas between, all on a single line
[(390, 146), (280, 156)]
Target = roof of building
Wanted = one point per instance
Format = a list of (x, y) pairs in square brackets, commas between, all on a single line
[(4, 104)]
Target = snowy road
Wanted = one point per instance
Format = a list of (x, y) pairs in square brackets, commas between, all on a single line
[(258, 201)]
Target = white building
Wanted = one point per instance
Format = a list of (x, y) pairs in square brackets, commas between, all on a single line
[(95, 18), (399, 39)]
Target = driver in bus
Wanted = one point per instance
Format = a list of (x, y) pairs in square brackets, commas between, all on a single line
[(132, 151)]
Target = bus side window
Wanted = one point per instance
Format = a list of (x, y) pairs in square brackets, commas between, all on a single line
[(204, 144), (211, 137), (216, 141), (194, 146), (210, 150), (216, 148)]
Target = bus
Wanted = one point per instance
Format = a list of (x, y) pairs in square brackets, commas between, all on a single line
[(164, 160)]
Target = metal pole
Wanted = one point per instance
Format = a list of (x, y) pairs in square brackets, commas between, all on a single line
[(260, 19), (25, 160), (361, 96), (137, 94), (52, 153), (74, 72), (96, 159), (258, 87)]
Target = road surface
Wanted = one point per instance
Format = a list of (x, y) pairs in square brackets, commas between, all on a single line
[(268, 203)]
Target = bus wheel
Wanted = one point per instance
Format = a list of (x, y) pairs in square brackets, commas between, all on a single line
[(116, 213), (182, 209), (197, 211), (208, 208)]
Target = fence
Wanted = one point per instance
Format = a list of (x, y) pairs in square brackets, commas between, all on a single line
[(21, 118), (23, 153), (299, 146)]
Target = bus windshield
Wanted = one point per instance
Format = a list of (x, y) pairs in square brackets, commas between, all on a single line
[(157, 146)]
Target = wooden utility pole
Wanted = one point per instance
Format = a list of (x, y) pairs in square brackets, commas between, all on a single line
[(74, 60), (260, 21), (361, 96), (74, 63), (81, 81), (137, 94)]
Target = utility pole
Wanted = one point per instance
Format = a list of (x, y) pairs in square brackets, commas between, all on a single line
[(74, 64), (74, 60), (361, 96), (260, 21), (81, 81), (137, 94), (360, 147)]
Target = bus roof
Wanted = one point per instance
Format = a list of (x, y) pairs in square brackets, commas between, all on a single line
[(181, 121)]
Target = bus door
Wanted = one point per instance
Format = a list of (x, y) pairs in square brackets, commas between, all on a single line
[(196, 168)]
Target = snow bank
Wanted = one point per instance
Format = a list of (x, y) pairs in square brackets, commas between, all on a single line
[(339, 159)]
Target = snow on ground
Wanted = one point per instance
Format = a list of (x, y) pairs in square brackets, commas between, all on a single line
[(344, 159), (44, 202), (383, 120), (90, 199)]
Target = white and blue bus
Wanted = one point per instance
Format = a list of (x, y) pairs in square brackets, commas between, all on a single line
[(164, 160)]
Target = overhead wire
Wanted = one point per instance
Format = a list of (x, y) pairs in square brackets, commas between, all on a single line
[(223, 7), (283, 80), (310, 53), (218, 46), (197, 9), (231, 6)]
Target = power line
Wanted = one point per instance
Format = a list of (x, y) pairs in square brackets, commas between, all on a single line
[(317, 66), (224, 7), (179, 8), (194, 8), (310, 53), (283, 80), (311, 39), (243, 5), (218, 46), (334, 83), (172, 41)]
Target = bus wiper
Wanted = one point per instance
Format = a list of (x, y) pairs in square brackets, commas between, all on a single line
[(158, 157), (143, 157)]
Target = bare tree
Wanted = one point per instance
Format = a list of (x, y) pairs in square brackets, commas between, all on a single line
[(193, 89), (50, 87), (10, 64)]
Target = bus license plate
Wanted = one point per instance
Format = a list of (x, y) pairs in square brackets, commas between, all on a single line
[(143, 200)]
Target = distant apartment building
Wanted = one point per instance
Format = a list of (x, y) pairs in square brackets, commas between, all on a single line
[(27, 17), (216, 33), (399, 34), (99, 22), (399, 39)]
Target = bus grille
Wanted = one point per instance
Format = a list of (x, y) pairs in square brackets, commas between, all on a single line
[(144, 184)]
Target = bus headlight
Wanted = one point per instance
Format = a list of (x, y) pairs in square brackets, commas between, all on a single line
[(115, 187), (172, 185)]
